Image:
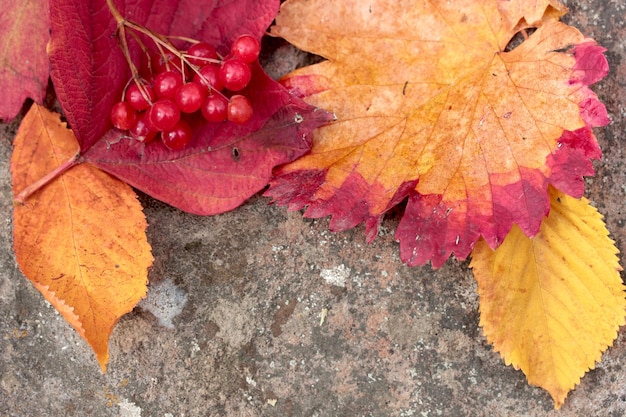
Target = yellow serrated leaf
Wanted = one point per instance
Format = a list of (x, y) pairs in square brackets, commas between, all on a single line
[(552, 304)]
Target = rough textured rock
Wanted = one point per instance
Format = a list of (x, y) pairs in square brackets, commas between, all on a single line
[(283, 318)]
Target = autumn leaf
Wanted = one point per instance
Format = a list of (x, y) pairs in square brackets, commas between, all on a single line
[(552, 304), (535, 295), (23, 58), (88, 68), (225, 164), (81, 239), (432, 107)]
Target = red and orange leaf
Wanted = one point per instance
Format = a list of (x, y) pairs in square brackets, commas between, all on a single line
[(24, 34), (553, 303), (81, 239), (432, 107)]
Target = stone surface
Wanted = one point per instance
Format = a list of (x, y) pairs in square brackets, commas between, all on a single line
[(284, 318)]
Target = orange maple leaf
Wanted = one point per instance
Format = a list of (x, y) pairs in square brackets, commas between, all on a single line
[(431, 106), (81, 239)]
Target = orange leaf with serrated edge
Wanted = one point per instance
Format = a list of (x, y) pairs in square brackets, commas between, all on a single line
[(431, 106), (81, 239), (552, 304)]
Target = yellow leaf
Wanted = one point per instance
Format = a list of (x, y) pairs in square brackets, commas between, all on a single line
[(81, 239), (552, 304)]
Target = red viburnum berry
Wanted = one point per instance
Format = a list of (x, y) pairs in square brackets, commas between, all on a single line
[(235, 74), (160, 63), (215, 108), (136, 98), (166, 84), (163, 115), (200, 54), (209, 77), (123, 115), (239, 109), (178, 137), (142, 130), (190, 97), (247, 48)]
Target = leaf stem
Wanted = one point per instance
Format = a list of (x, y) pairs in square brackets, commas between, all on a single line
[(28, 191)]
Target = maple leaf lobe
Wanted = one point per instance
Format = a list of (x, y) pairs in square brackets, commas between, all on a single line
[(526, 14), (591, 64)]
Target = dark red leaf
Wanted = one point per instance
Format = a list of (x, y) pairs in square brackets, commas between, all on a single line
[(225, 163), (87, 66)]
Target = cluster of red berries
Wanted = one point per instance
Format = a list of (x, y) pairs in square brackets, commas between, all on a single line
[(183, 84)]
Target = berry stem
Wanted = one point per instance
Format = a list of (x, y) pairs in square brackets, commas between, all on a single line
[(123, 43), (183, 38), (116, 14), (139, 81), (161, 42), (28, 191)]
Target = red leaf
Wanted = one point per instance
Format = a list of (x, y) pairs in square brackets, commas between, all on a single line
[(87, 66), (24, 34), (225, 163)]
